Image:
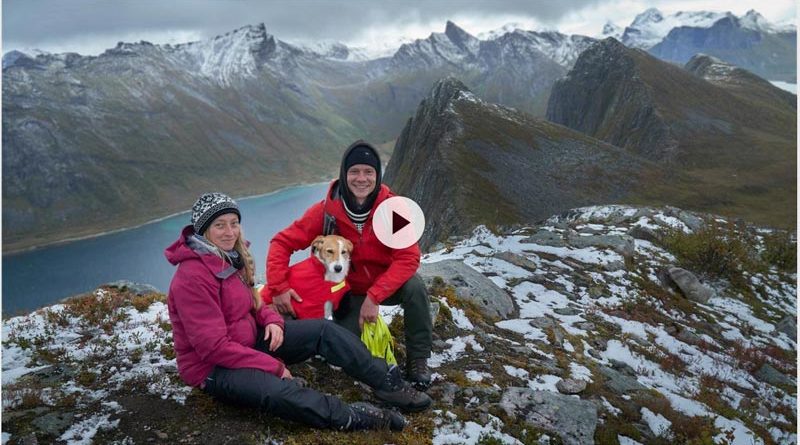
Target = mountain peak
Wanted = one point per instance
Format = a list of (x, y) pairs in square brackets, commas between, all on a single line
[(461, 38), (755, 21), (651, 15), (612, 44), (447, 90)]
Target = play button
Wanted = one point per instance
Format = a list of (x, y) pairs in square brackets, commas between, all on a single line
[(398, 222)]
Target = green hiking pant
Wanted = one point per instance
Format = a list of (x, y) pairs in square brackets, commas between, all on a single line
[(413, 297)]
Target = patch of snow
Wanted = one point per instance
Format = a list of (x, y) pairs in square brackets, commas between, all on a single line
[(477, 376), (516, 372), (611, 408), (658, 424), (470, 433), (84, 431), (580, 372), (741, 434), (522, 326), (458, 346), (544, 382)]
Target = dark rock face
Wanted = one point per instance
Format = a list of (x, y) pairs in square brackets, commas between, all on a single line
[(468, 162), (770, 55), (731, 136), (604, 97)]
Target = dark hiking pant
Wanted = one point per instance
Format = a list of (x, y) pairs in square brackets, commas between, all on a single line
[(286, 399), (413, 297)]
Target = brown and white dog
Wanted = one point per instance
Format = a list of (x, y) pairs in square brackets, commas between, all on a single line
[(333, 251)]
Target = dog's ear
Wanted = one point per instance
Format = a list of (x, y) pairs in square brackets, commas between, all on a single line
[(348, 245), (317, 244)]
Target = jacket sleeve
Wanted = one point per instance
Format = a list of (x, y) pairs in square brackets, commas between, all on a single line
[(297, 236), (265, 316), (405, 263), (196, 302)]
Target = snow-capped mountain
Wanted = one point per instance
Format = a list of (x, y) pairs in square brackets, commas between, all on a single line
[(651, 26), (562, 48), (237, 53), (453, 46), (755, 21), (499, 32), (340, 51)]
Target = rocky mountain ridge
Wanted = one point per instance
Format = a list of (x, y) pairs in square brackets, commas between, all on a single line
[(471, 162), (704, 129), (599, 325)]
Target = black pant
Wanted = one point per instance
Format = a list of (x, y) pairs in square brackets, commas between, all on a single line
[(285, 398), (416, 315)]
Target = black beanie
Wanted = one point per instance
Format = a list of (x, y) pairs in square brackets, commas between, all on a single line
[(359, 152), (362, 154)]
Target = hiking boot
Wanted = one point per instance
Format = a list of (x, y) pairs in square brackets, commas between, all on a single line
[(364, 416), (397, 392), (418, 374)]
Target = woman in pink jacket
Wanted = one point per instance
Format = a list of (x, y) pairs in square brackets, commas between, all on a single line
[(234, 348)]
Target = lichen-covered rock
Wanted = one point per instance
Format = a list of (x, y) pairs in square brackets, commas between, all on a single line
[(619, 382), (767, 373), (788, 326), (622, 244), (517, 260), (545, 238), (690, 285), (472, 286), (571, 386), (572, 419)]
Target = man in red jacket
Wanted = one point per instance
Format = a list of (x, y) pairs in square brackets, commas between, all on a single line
[(379, 274)]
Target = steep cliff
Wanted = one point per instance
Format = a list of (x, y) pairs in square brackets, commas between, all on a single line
[(469, 162)]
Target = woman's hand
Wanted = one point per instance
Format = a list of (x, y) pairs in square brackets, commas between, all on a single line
[(369, 312), (286, 374), (274, 334), (283, 302)]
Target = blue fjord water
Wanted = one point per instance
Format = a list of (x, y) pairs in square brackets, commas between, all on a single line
[(44, 276)]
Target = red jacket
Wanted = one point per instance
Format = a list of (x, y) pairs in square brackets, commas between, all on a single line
[(307, 278), (213, 321), (376, 270)]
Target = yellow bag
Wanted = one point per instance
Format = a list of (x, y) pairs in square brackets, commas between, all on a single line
[(378, 339)]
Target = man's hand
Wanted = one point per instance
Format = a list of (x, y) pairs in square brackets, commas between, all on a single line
[(274, 334), (283, 302), (369, 312)]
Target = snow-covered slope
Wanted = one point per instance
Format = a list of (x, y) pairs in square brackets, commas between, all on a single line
[(604, 339)]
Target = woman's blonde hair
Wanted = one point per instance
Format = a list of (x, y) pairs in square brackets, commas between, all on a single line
[(248, 272)]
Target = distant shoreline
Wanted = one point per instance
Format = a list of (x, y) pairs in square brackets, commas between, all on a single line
[(161, 218)]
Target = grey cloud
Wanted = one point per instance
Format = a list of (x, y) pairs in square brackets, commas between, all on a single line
[(31, 22)]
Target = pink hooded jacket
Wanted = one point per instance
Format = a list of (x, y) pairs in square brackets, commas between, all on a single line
[(212, 315)]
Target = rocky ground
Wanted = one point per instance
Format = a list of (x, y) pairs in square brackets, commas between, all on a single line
[(608, 325)]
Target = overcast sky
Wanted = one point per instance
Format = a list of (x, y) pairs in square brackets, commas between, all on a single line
[(91, 26)]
